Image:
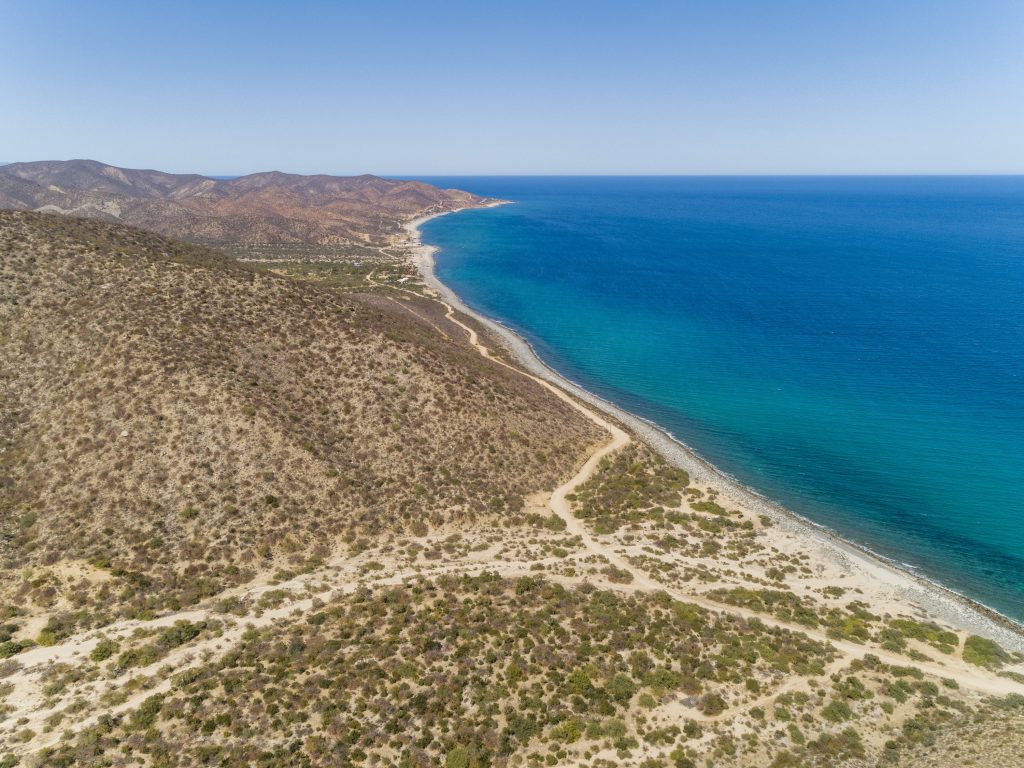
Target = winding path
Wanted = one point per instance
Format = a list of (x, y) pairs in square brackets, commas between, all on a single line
[(966, 675), (979, 680), (31, 701)]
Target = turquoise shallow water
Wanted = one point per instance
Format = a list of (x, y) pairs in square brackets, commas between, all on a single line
[(851, 347)]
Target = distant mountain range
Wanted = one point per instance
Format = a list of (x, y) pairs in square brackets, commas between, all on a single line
[(260, 208)]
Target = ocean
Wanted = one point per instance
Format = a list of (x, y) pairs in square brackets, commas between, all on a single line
[(851, 347)]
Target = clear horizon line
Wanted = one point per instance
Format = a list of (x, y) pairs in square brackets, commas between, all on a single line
[(772, 174), (597, 174)]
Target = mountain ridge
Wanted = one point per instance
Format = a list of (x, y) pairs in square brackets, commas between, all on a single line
[(267, 207)]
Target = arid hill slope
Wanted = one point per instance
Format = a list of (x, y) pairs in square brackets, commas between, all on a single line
[(256, 209), (173, 422)]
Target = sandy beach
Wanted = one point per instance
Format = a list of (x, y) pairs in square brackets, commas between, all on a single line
[(887, 587)]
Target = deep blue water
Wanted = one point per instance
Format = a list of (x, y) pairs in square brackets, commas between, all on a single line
[(851, 347)]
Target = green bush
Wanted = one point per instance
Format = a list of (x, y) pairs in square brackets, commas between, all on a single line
[(103, 650), (10, 648), (836, 711), (984, 653), (568, 731), (458, 758), (621, 687), (712, 704)]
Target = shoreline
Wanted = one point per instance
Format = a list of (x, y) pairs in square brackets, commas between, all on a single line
[(930, 597)]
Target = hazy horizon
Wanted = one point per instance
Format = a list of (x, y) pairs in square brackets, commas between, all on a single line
[(733, 88)]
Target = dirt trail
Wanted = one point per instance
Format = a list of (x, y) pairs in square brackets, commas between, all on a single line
[(28, 697), (966, 676)]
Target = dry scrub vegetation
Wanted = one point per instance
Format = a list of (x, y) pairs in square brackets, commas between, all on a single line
[(485, 671), (315, 216), (174, 422)]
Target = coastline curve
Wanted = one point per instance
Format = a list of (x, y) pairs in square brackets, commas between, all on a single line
[(936, 600)]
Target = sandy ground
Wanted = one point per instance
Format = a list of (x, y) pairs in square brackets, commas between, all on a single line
[(887, 587), (343, 575), (969, 676)]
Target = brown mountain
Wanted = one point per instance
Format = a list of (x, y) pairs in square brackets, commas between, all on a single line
[(261, 208)]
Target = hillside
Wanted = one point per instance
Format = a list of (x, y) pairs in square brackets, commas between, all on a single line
[(310, 515), (174, 423), (261, 208)]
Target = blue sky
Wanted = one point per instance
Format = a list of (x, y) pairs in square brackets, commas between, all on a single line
[(726, 86)]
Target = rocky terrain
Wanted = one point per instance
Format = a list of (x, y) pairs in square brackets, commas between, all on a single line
[(259, 209)]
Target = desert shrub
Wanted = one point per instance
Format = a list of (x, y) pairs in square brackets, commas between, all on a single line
[(617, 575), (459, 757), (11, 648), (836, 711), (984, 653), (104, 649), (712, 704), (621, 687)]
